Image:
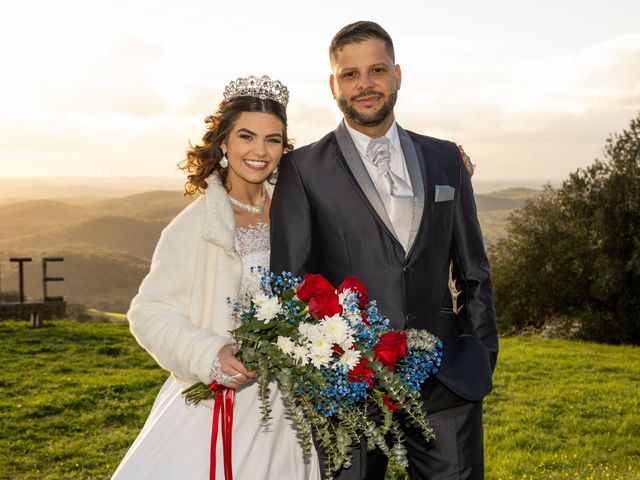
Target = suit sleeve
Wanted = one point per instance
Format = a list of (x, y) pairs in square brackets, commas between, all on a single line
[(473, 265), (290, 216)]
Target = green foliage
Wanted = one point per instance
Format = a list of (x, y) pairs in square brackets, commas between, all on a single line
[(574, 252)]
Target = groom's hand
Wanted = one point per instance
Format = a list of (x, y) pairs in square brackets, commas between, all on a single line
[(233, 367), (467, 161)]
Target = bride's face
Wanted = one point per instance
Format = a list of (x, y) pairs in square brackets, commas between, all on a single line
[(254, 147)]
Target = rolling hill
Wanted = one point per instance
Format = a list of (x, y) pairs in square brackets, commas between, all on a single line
[(119, 234), (108, 243), (37, 212)]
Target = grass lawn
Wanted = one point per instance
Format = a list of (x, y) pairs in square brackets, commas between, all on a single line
[(564, 409), (73, 396), (110, 316)]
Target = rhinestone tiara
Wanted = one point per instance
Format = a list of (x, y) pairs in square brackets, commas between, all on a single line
[(262, 87)]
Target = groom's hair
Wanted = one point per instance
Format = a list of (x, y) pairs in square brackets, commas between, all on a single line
[(359, 32)]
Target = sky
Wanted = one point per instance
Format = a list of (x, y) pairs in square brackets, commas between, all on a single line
[(119, 88)]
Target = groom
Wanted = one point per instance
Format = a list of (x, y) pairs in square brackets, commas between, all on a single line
[(395, 208)]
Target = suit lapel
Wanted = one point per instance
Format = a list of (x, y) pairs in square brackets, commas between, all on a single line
[(354, 163), (417, 171)]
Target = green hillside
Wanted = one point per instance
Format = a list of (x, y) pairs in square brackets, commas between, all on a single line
[(107, 244), (73, 397), (35, 212), (118, 234), (494, 225), (156, 205)]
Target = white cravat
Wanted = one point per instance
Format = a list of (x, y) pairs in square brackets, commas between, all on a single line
[(397, 164), (397, 196)]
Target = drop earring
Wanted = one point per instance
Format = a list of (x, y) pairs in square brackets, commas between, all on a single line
[(224, 161)]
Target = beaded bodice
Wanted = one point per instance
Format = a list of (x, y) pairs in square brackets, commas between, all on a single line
[(252, 244)]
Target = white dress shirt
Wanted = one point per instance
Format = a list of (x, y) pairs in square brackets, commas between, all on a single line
[(397, 162)]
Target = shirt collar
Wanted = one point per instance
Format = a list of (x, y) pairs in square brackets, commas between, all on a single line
[(362, 141)]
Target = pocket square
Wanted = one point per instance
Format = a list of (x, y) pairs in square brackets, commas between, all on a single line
[(444, 193)]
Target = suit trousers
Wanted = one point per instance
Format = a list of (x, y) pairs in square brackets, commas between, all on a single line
[(456, 453)]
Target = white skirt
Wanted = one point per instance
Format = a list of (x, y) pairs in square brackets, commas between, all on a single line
[(175, 441)]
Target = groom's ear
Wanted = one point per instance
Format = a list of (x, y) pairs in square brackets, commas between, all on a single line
[(331, 80), (398, 75)]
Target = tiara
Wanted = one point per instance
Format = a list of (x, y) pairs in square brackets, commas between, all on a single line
[(262, 87)]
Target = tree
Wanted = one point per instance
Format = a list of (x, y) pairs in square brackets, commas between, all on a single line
[(574, 252)]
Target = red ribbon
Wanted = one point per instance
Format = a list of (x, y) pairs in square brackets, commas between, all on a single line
[(223, 402)]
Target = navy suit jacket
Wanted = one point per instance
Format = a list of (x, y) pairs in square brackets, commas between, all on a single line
[(324, 220)]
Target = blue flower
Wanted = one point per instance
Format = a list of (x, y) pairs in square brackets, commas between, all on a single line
[(417, 366)]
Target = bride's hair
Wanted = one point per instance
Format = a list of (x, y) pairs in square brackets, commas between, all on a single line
[(203, 160)]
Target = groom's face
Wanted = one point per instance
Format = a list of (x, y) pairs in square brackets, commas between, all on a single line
[(365, 82)]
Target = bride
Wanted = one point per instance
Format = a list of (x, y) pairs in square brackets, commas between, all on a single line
[(181, 314)]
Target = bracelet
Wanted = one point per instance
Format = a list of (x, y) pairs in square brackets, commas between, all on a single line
[(217, 375)]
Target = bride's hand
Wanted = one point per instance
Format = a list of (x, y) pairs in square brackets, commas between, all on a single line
[(233, 367)]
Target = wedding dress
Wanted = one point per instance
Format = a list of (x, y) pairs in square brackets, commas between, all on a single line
[(175, 440)]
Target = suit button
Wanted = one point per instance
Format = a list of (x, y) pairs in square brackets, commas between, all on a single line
[(407, 269), (410, 317)]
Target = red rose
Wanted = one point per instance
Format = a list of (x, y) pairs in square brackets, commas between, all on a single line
[(361, 373), (365, 317), (324, 306), (338, 351), (389, 403), (352, 283), (390, 347), (314, 285)]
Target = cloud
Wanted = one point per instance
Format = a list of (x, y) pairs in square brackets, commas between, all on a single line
[(605, 74), (78, 145), (123, 81), (537, 117), (132, 108)]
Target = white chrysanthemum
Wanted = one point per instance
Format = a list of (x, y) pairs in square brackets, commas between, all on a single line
[(285, 344), (266, 307), (320, 349), (304, 329), (259, 299), (301, 354), (310, 331), (350, 358), (319, 357), (336, 329), (320, 343)]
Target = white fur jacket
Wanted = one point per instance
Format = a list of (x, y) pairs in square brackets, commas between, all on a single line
[(181, 315)]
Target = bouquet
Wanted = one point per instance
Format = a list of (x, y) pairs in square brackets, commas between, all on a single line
[(342, 370)]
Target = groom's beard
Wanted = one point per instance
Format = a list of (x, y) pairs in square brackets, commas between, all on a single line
[(374, 119)]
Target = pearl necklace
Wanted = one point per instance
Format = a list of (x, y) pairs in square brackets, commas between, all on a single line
[(255, 209)]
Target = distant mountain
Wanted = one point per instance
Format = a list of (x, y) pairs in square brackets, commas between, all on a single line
[(108, 243), (153, 205), (38, 211), (156, 205), (519, 193), (495, 208), (507, 199), (120, 234), (56, 188)]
